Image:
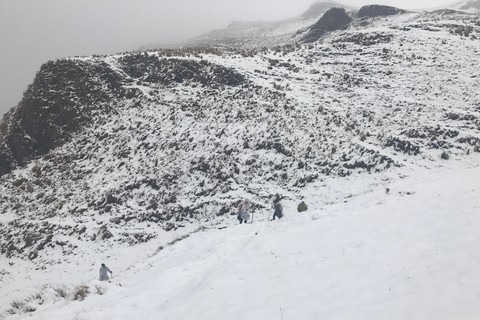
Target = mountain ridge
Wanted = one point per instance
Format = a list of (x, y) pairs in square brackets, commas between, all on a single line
[(472, 6), (244, 34)]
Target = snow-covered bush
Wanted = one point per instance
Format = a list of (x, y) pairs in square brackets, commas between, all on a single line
[(302, 206), (80, 292)]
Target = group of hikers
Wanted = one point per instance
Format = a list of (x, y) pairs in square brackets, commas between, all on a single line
[(244, 216), (245, 210)]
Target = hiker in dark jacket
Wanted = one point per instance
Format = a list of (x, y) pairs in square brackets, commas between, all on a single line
[(277, 207), (104, 272)]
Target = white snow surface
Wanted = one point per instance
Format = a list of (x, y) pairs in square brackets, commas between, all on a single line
[(409, 253)]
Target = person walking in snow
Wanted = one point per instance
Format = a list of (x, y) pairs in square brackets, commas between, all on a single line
[(104, 272), (277, 208), (244, 211)]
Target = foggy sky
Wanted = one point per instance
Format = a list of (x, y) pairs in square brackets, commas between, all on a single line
[(33, 32)]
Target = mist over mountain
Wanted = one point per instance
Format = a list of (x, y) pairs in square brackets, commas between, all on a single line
[(248, 34), (472, 6), (109, 153), (241, 34)]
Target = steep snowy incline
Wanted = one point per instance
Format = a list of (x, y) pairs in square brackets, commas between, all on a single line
[(408, 252)]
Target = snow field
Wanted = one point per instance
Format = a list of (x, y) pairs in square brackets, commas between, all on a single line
[(406, 254)]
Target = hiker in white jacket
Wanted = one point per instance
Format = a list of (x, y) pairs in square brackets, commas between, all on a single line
[(244, 211), (104, 272)]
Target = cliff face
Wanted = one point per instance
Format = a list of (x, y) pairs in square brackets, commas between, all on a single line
[(63, 97), (375, 10), (338, 18), (334, 19), (67, 94)]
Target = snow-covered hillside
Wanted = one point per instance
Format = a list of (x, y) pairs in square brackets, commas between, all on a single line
[(472, 6), (406, 252), (250, 34), (126, 153)]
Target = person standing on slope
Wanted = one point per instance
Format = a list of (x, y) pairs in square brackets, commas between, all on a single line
[(277, 207), (104, 272), (244, 211)]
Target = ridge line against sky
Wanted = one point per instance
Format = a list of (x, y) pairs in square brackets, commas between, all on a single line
[(33, 32)]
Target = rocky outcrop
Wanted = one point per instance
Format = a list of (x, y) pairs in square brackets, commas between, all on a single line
[(66, 94), (61, 100), (334, 19), (375, 10)]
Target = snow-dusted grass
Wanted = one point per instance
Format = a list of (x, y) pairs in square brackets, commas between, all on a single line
[(408, 251)]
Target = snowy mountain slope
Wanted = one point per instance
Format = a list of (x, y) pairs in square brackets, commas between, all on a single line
[(409, 253), (179, 137), (248, 34), (472, 6)]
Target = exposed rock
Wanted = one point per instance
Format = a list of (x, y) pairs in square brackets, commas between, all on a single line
[(43, 243), (376, 10), (60, 101), (103, 233), (367, 39), (334, 19), (65, 96)]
